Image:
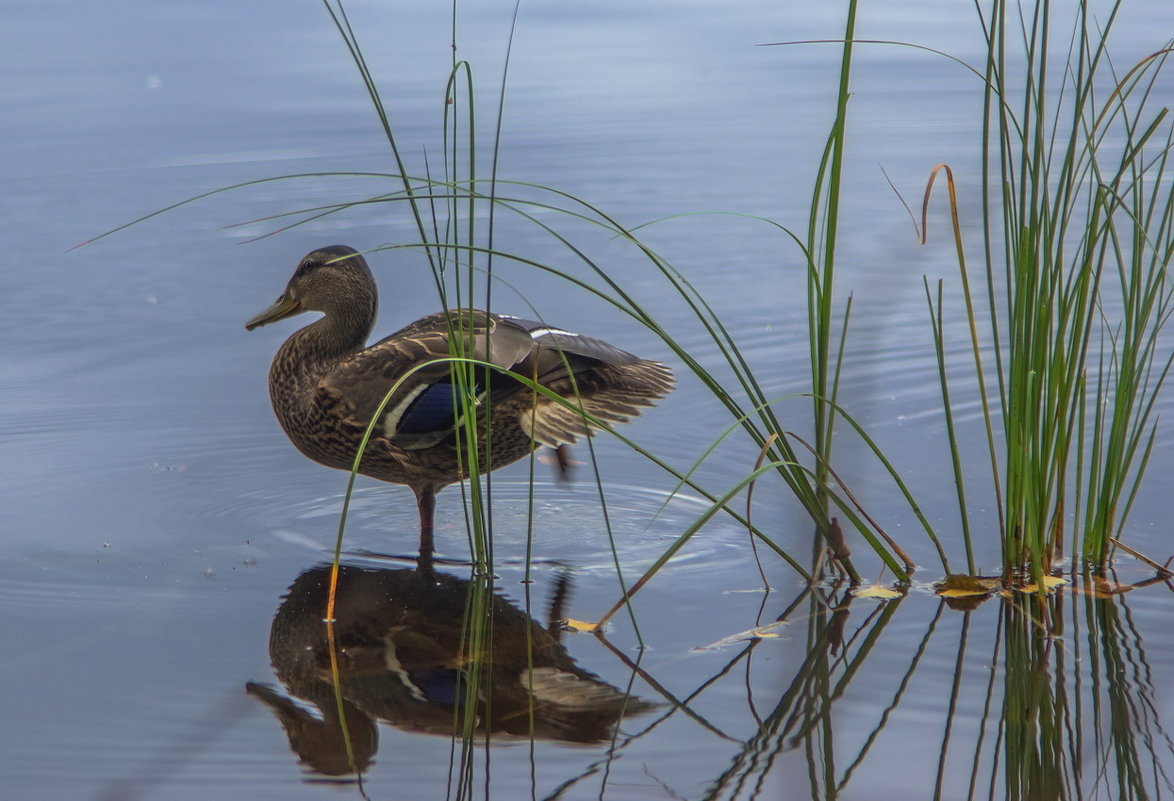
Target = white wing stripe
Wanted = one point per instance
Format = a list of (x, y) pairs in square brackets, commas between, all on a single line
[(391, 419), (541, 332)]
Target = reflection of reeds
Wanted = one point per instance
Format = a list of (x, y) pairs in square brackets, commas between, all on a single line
[(1036, 714), (1067, 705), (1067, 693), (802, 718), (1079, 721), (1127, 726), (1074, 713)]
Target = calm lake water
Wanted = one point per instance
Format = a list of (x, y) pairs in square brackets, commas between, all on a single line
[(155, 516)]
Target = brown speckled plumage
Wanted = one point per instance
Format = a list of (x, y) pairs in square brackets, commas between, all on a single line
[(326, 384)]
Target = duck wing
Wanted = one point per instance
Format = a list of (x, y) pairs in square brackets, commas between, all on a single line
[(595, 378), (414, 365)]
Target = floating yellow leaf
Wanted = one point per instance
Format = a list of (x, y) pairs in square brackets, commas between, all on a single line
[(1050, 583), (876, 591), (579, 625)]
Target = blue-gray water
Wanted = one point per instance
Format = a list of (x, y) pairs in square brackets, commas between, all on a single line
[(153, 513)]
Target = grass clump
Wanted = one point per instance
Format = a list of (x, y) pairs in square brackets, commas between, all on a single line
[(1077, 223)]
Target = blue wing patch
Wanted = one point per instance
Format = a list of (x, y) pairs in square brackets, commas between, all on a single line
[(432, 410)]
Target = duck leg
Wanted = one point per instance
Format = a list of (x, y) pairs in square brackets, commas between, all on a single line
[(426, 503)]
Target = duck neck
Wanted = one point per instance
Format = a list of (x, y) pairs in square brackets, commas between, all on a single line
[(314, 350), (334, 336)]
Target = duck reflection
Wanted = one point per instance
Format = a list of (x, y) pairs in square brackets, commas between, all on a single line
[(398, 635)]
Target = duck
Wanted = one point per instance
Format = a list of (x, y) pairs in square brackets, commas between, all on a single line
[(326, 384)]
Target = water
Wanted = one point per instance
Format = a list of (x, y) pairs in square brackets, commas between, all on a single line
[(154, 515)]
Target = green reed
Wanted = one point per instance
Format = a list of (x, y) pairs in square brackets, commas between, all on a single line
[(822, 227), (1077, 238), (1077, 235), (448, 210), (456, 195)]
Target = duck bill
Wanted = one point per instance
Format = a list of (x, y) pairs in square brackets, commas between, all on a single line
[(285, 306)]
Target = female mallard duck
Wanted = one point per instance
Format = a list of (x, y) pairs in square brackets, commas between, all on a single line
[(326, 385)]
